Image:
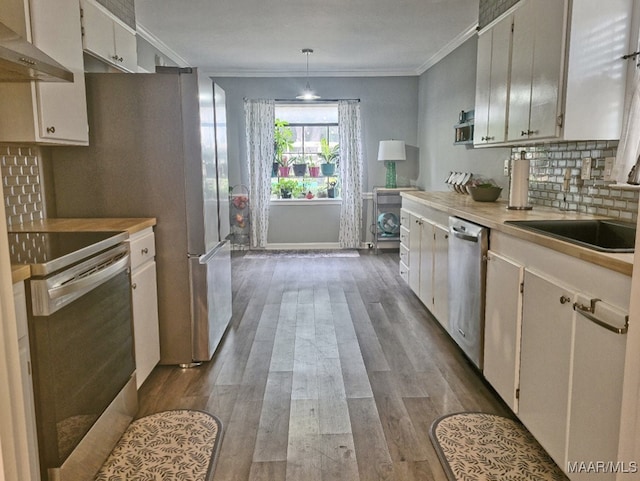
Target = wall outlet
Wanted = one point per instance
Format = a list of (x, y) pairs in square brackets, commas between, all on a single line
[(586, 168), (608, 168), (507, 163)]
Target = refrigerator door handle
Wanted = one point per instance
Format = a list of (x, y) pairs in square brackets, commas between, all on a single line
[(204, 258)]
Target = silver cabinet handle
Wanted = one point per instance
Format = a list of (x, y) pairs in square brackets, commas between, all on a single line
[(564, 299), (587, 311), (145, 251), (134, 285), (51, 130)]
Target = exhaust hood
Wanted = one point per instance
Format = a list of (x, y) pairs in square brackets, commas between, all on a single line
[(21, 61)]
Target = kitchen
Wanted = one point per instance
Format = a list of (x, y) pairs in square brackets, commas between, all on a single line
[(454, 76)]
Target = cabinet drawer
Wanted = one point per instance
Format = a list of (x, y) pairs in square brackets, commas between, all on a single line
[(404, 272), (389, 199), (404, 217), (404, 236), (404, 255), (143, 247)]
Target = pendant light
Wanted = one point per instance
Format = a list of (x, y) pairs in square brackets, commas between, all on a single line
[(307, 93)]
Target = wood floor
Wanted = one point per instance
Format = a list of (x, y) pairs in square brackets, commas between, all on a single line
[(331, 369)]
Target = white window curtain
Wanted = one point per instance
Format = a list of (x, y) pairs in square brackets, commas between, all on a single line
[(259, 122), (350, 140), (629, 146)]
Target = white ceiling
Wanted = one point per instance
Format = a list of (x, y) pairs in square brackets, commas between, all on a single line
[(349, 37)]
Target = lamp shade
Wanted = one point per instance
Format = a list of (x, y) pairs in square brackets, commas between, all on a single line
[(391, 150)]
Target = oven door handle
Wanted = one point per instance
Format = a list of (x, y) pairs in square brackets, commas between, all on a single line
[(90, 281)]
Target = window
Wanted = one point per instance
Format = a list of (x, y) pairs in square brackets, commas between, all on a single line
[(306, 138)]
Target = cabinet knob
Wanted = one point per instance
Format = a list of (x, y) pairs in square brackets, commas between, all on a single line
[(134, 285), (145, 251), (51, 130), (564, 299)]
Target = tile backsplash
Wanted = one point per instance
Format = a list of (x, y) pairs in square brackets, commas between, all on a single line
[(21, 182), (594, 196)]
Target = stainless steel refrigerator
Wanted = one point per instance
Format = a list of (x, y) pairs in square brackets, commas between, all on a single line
[(158, 148)]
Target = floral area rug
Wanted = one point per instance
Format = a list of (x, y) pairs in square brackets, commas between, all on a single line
[(170, 445), (488, 447), (308, 254)]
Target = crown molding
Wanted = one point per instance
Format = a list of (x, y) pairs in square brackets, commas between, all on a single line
[(160, 45), (448, 48)]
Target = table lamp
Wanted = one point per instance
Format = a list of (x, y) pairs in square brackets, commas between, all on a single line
[(390, 151)]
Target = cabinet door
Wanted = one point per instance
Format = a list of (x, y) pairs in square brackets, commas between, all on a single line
[(545, 365), (483, 86), (500, 67), (440, 275), (415, 234), (598, 367), (503, 320), (145, 320), (97, 28), (125, 47), (62, 107), (536, 70), (426, 264)]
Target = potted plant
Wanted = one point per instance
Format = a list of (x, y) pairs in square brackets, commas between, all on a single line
[(299, 166), (329, 155), (283, 142), (286, 187), (314, 168)]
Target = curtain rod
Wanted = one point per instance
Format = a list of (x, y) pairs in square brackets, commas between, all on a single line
[(317, 101)]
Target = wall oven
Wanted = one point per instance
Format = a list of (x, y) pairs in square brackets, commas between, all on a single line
[(81, 341)]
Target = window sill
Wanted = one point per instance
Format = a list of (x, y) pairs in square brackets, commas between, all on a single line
[(314, 201)]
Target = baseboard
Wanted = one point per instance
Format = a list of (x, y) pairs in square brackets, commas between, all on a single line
[(303, 246)]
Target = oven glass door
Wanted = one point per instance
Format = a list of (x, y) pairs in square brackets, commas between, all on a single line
[(82, 356)]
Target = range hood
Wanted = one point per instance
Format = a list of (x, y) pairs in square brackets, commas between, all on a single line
[(21, 61)]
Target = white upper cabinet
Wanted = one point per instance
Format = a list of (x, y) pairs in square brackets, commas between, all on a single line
[(49, 112), (492, 83), (564, 79), (596, 76), (536, 70), (108, 39)]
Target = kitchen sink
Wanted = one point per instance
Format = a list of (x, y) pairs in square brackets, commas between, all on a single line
[(600, 235)]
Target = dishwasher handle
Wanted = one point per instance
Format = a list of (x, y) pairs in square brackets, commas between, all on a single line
[(463, 235)]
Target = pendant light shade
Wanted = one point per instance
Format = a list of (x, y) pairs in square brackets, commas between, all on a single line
[(307, 93)]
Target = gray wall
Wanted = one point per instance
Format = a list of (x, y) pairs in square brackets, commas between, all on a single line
[(389, 110), (444, 90)]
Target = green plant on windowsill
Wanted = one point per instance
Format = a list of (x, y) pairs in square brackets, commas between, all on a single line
[(283, 142), (329, 155), (286, 188)]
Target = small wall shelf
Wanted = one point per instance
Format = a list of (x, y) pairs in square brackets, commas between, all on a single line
[(464, 129)]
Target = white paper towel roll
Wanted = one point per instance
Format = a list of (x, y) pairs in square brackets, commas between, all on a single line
[(519, 188)]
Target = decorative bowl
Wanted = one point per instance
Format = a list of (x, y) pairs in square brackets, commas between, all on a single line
[(484, 193)]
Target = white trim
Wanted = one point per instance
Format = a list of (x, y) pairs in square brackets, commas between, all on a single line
[(213, 72), (306, 202), (448, 48), (501, 17), (303, 245), (160, 45)]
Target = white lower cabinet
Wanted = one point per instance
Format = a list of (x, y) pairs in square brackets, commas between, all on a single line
[(545, 370), (146, 330), (503, 321), (424, 262), (20, 301), (563, 373)]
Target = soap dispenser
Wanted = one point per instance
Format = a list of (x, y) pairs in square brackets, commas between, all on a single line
[(519, 184)]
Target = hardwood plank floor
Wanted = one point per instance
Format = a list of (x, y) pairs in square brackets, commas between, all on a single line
[(331, 369)]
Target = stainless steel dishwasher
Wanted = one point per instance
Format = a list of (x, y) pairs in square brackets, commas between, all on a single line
[(468, 244)]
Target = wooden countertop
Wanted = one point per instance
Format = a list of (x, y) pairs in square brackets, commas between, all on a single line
[(125, 224), (494, 214), (130, 225)]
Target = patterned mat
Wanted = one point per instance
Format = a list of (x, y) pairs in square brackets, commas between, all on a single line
[(309, 254), (170, 445), (487, 447)]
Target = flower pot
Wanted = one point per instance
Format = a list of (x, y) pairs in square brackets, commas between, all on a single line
[(331, 192), (328, 169), (314, 171), (299, 170), (283, 171), (285, 194)]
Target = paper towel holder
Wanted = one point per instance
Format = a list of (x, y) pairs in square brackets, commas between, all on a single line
[(519, 184)]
